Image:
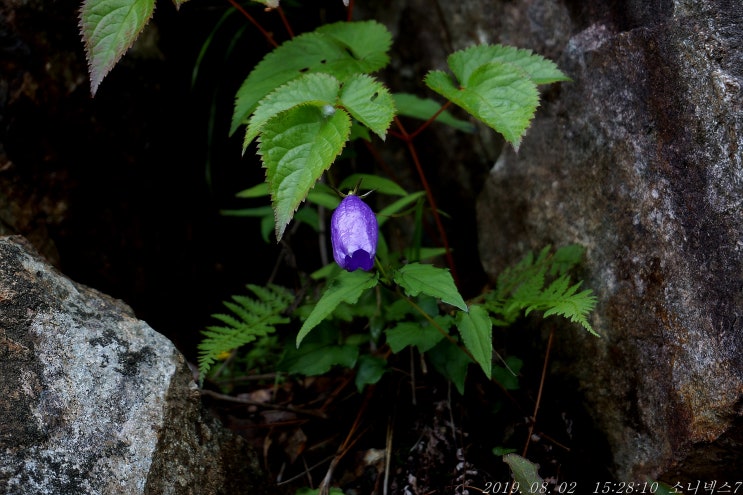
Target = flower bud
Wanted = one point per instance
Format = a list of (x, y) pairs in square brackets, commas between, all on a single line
[(353, 234)]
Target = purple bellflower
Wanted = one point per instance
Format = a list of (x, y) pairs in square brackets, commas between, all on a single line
[(353, 234)]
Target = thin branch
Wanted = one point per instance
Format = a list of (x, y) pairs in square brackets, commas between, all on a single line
[(285, 21), (425, 124), (431, 200), (266, 34), (539, 394), (264, 405)]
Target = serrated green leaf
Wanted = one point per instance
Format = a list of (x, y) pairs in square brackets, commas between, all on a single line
[(369, 102), (339, 49), (346, 287), (366, 41), (524, 472), (451, 362), (109, 28), (424, 108), (374, 183), (476, 330), (296, 147), (416, 278), (316, 89), (424, 337), (537, 68), (495, 93)]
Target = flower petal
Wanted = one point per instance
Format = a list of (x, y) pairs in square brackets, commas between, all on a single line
[(353, 234)]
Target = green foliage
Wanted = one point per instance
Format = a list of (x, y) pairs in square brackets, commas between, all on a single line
[(451, 362), (322, 83), (475, 328), (346, 287), (341, 50), (109, 28), (249, 319), (297, 147), (497, 85), (302, 104), (417, 278), (524, 473), (320, 352), (542, 284), (425, 108)]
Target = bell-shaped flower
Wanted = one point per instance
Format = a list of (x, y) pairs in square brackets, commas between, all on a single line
[(353, 234)]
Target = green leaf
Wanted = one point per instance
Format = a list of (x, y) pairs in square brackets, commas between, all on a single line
[(527, 287), (296, 147), (109, 28), (524, 473), (505, 376), (495, 93), (499, 451), (257, 191), (367, 42), (476, 330), (370, 371), (416, 278), (385, 213), (316, 89), (369, 102), (424, 108), (346, 287), (424, 337), (323, 198), (451, 362), (537, 68), (372, 182), (339, 49), (320, 352), (250, 318)]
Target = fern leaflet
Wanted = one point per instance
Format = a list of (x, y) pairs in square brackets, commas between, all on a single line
[(250, 318), (541, 284)]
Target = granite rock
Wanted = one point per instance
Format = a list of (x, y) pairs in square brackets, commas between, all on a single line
[(95, 401), (640, 159)]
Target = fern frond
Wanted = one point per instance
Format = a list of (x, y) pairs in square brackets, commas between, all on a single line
[(530, 286), (250, 318)]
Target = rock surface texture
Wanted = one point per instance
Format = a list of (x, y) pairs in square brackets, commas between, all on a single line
[(640, 159), (95, 401)]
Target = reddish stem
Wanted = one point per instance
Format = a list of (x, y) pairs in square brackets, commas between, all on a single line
[(429, 121), (539, 394), (255, 23), (429, 195), (350, 11), (286, 22)]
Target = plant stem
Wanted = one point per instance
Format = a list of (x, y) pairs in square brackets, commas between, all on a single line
[(429, 195), (266, 34), (285, 21), (436, 325), (539, 394), (425, 124)]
